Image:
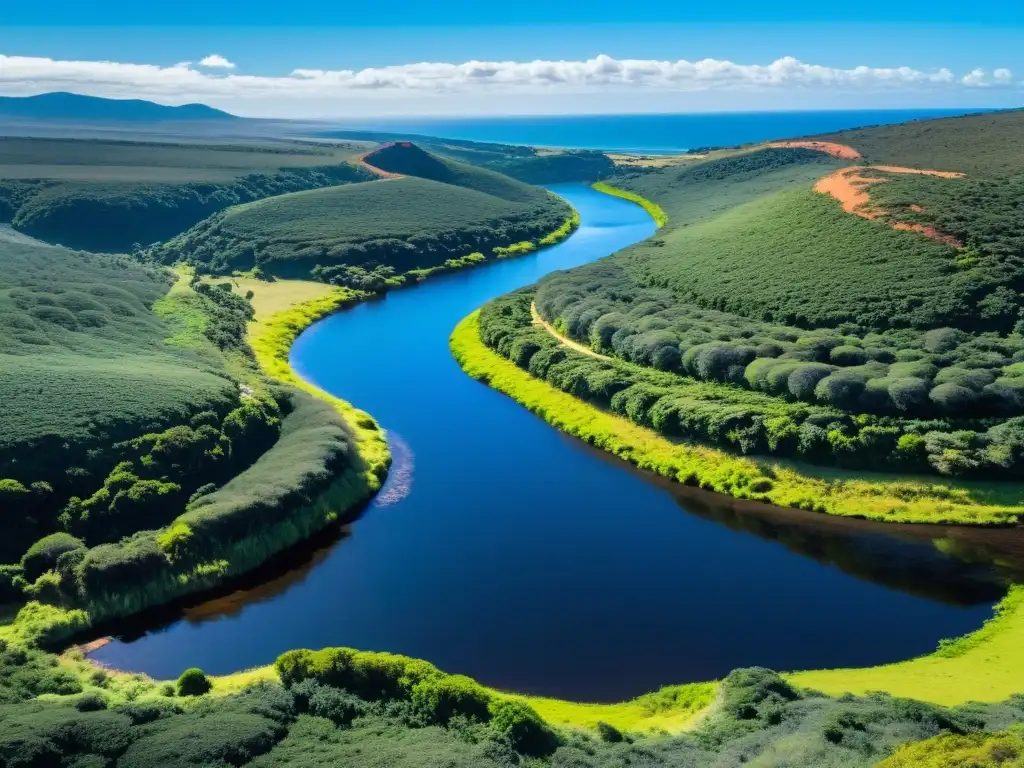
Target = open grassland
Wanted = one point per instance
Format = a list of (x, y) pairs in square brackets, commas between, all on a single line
[(271, 297), (878, 497), (987, 665), (429, 212), (114, 195), (106, 160)]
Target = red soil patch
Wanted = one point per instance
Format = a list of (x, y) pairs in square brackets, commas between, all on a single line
[(828, 147), (850, 187), (379, 172)]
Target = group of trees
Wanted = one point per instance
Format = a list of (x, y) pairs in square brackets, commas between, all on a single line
[(721, 411), (938, 373), (189, 495)]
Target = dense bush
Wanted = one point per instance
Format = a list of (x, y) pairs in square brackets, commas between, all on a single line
[(193, 682), (832, 429)]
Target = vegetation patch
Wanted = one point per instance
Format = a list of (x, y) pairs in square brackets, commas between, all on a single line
[(113, 195), (367, 236), (878, 497)]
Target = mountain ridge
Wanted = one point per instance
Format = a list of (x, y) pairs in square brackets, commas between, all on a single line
[(62, 105)]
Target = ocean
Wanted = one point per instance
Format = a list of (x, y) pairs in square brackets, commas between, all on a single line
[(645, 133)]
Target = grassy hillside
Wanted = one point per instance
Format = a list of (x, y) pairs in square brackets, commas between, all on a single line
[(111, 195), (978, 145), (529, 164), (759, 282), (364, 234)]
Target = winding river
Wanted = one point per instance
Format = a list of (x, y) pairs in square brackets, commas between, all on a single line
[(506, 551)]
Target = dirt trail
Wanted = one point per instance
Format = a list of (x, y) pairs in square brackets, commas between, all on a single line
[(828, 147), (541, 322), (361, 161), (850, 187)]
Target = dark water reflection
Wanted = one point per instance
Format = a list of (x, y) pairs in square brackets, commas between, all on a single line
[(503, 550)]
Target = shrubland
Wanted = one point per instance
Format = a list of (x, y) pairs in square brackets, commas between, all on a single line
[(339, 706), (764, 318), (116, 196), (372, 235)]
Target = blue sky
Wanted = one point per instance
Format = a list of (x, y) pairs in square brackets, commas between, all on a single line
[(273, 39)]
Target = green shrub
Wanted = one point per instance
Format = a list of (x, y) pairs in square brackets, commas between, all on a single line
[(193, 682), (42, 556), (441, 698), (525, 729)]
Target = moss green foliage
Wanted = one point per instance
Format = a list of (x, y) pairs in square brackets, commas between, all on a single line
[(112, 195), (978, 145), (890, 498), (193, 682), (362, 235)]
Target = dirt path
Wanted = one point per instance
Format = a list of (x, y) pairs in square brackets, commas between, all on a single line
[(850, 187), (828, 147), (542, 323), (360, 160)]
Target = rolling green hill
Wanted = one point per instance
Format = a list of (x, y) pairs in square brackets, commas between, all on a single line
[(529, 164), (438, 210), (111, 195), (758, 282)]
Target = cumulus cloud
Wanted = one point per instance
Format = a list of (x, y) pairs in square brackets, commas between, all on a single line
[(216, 61), (185, 82)]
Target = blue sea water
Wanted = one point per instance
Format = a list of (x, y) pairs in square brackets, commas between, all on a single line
[(645, 133)]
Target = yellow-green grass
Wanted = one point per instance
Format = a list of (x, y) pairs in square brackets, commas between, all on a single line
[(656, 211), (987, 665), (271, 297), (875, 496), (272, 339), (689, 704), (974, 750)]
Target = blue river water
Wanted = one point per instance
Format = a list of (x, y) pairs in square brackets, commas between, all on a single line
[(504, 550)]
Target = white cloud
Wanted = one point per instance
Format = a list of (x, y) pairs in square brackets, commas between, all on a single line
[(183, 82), (979, 78), (216, 61)]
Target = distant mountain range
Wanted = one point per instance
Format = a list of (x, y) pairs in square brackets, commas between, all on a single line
[(72, 106)]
